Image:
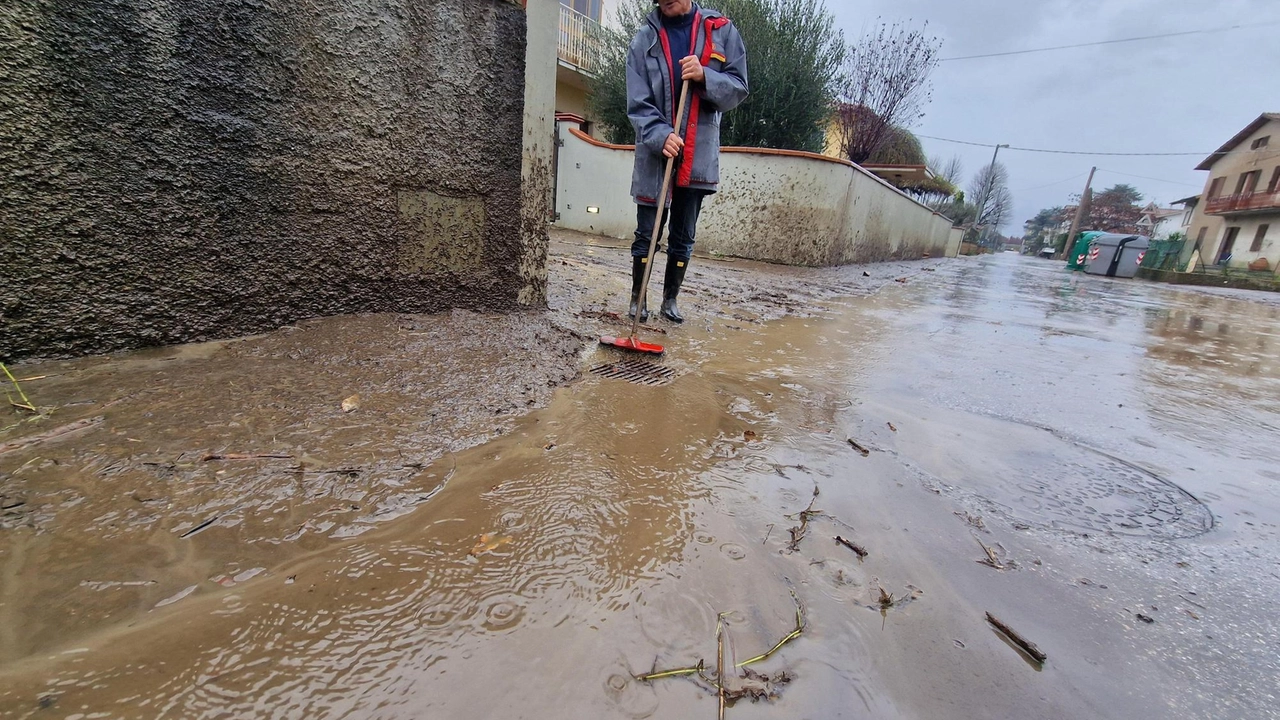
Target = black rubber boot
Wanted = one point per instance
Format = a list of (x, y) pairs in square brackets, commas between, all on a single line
[(637, 278), (671, 288)]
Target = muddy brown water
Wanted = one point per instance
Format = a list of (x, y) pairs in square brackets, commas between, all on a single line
[(1107, 439)]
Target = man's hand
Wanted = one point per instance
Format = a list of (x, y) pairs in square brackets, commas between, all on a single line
[(672, 146), (691, 69)]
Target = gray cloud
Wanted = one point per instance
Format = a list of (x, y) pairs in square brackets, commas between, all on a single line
[(1185, 94)]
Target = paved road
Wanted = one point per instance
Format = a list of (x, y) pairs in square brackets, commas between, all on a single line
[(1109, 441)]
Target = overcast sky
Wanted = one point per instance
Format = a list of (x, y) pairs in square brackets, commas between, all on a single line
[(1183, 94)]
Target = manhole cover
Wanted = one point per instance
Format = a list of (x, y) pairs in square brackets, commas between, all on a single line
[(1039, 477), (637, 371), (1096, 492)]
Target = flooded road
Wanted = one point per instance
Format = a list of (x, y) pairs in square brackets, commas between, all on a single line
[(1108, 441)]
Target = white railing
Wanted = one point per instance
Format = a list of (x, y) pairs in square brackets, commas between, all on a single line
[(577, 33)]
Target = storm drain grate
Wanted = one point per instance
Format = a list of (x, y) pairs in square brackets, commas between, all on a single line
[(637, 371)]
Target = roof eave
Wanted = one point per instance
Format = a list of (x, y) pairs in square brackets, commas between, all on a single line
[(1251, 128)]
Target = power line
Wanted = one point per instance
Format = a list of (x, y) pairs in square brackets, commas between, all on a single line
[(1076, 152), (1111, 42), (1144, 177), (1039, 187)]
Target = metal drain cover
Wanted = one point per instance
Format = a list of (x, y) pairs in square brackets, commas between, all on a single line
[(638, 372)]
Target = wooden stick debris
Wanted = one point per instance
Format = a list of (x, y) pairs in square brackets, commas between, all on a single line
[(243, 456), (700, 667), (991, 558), (678, 672), (1027, 646), (26, 403), (720, 662), (857, 549), (49, 434), (795, 633), (854, 444), (798, 532)]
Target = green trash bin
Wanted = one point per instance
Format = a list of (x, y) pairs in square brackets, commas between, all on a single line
[(1076, 258)]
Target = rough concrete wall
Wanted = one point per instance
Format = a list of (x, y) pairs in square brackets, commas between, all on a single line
[(537, 176), (782, 208), (187, 170)]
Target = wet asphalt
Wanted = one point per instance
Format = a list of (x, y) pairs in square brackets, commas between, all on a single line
[(1105, 446)]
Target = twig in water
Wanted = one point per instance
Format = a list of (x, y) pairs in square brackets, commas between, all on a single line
[(243, 456), (892, 428), (720, 662), (854, 444), (795, 633), (26, 403), (700, 667), (856, 548), (991, 558), (767, 534), (1027, 646), (1193, 602), (49, 435), (678, 672), (973, 520), (798, 532), (200, 527), (886, 598)]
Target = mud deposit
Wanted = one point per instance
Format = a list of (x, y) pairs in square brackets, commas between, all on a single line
[(1099, 445)]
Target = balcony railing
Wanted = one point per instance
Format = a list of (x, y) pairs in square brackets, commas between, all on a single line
[(577, 38), (1244, 203)]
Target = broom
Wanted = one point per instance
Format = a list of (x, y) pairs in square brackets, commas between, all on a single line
[(634, 343)]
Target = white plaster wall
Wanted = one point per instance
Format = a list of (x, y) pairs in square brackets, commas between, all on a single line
[(776, 208), (591, 176), (790, 208)]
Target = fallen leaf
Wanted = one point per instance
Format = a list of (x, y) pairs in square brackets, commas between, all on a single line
[(488, 542), (749, 434), (891, 427), (351, 404)]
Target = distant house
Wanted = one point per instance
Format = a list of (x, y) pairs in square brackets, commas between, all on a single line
[(1236, 221), (579, 21), (1159, 223)]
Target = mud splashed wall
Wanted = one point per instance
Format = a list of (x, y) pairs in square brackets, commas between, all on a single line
[(178, 171), (776, 206)]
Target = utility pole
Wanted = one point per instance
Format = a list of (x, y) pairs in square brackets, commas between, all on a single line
[(1075, 223), (991, 178)]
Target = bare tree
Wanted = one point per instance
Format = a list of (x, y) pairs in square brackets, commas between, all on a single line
[(989, 190), (885, 85), (950, 170)]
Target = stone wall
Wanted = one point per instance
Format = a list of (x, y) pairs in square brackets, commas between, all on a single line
[(179, 171)]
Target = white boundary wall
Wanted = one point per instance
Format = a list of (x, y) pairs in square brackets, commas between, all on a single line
[(778, 206)]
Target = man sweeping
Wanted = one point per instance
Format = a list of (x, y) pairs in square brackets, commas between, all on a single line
[(679, 41)]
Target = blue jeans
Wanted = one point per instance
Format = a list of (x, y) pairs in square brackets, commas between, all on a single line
[(681, 220)]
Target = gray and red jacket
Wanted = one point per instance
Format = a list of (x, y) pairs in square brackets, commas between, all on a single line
[(652, 95)]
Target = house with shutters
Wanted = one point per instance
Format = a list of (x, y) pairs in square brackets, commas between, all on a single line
[(1236, 221)]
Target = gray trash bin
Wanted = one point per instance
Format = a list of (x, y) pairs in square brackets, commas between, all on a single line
[(1116, 255)]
